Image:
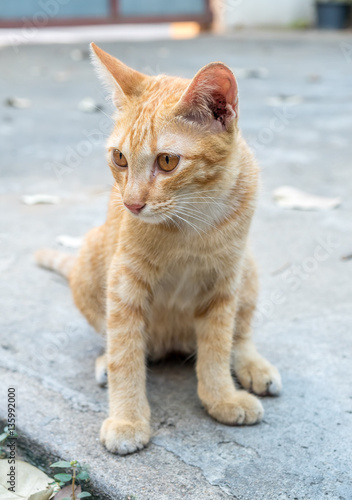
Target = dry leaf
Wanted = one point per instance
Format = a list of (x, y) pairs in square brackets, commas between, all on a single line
[(289, 197), (35, 199), (31, 483), (347, 257), (18, 102), (43, 495), (67, 491)]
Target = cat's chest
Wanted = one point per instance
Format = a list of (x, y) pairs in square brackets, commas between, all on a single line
[(179, 287)]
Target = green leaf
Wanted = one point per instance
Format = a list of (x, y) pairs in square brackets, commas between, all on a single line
[(61, 464), (63, 477), (3, 436), (84, 494), (83, 475)]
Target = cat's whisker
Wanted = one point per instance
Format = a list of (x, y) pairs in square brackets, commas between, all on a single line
[(199, 194), (175, 222), (171, 222), (117, 203), (196, 228), (196, 211), (204, 191), (165, 220), (198, 202), (196, 193), (222, 205), (192, 224), (110, 118), (204, 201), (197, 217), (189, 357)]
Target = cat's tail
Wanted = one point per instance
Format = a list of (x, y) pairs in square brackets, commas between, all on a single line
[(60, 262)]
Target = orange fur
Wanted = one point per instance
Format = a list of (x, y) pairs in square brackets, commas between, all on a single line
[(177, 276)]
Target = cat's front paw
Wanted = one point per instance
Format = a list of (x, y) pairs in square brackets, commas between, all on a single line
[(256, 374), (242, 409), (123, 436)]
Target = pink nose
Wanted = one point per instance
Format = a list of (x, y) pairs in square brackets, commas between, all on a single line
[(136, 208)]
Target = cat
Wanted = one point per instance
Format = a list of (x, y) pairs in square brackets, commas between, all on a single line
[(170, 269)]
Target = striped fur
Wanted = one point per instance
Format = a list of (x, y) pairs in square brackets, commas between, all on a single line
[(178, 276), (60, 262)]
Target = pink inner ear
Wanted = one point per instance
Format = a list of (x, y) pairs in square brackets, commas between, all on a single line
[(227, 85), (214, 88)]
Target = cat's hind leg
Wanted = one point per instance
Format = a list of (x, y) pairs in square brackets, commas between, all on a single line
[(252, 370), (87, 280), (101, 370)]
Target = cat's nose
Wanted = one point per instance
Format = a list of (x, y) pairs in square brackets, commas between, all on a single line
[(135, 208)]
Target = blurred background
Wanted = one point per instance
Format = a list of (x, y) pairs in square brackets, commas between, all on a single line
[(226, 14), (293, 63)]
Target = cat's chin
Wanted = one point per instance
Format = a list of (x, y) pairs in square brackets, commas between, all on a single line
[(151, 219)]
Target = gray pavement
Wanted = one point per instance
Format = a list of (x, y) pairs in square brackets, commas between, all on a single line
[(302, 450)]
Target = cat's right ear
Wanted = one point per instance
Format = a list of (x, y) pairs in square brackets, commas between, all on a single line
[(124, 82), (211, 98)]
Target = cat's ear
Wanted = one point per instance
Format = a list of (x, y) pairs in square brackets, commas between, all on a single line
[(211, 97), (124, 82)]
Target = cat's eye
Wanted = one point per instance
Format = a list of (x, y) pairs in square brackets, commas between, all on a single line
[(118, 159), (167, 162)]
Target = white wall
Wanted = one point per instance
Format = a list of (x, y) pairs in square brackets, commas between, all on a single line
[(232, 13)]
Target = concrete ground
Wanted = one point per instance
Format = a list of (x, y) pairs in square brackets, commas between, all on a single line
[(302, 449)]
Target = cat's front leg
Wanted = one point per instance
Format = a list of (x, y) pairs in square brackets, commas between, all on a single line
[(127, 429), (216, 389)]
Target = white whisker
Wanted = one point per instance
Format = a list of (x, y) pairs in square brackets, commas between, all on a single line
[(196, 211), (197, 217), (197, 193), (168, 216), (206, 201), (110, 118), (196, 228)]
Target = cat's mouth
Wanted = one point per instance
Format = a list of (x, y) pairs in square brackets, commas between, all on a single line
[(145, 213)]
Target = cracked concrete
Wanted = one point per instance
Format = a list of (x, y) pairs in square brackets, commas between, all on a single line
[(302, 449)]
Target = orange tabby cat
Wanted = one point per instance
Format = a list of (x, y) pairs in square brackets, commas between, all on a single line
[(170, 270)]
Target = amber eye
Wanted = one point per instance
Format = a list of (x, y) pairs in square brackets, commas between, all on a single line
[(167, 162), (118, 158)]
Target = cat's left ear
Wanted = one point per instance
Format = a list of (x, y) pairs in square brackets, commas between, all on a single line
[(124, 81), (211, 98)]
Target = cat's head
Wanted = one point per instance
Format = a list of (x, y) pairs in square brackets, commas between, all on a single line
[(171, 147)]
